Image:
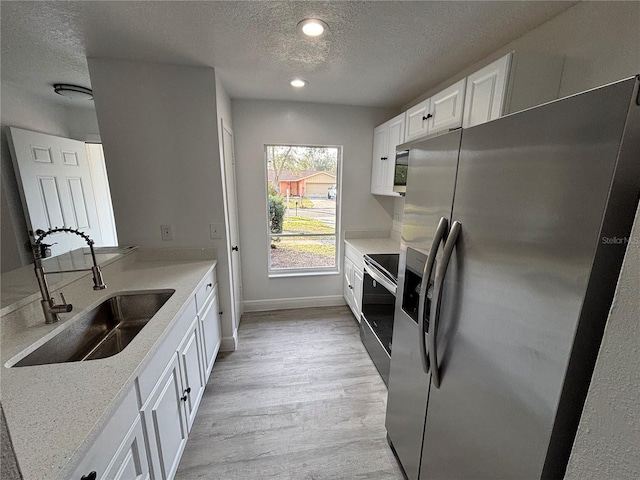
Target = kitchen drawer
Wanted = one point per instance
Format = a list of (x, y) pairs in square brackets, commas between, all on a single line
[(205, 290), (354, 255), (381, 359), (150, 374)]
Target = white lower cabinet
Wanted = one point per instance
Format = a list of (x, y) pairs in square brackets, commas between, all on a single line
[(192, 369), (210, 327), (130, 462), (165, 422), (348, 285), (353, 279), (146, 435), (114, 455)]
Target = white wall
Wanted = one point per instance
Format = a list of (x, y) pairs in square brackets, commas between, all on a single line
[(33, 113), (608, 438), (158, 128), (257, 123), (223, 104), (82, 123), (159, 132)]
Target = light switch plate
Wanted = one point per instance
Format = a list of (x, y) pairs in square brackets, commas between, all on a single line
[(216, 230)]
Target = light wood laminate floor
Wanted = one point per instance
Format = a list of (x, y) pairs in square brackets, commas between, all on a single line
[(299, 400)]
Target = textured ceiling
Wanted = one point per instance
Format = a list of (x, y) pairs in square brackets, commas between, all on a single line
[(375, 53)]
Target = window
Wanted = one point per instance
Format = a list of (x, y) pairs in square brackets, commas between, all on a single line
[(303, 190)]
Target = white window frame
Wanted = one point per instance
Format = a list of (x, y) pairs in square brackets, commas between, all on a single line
[(312, 271)]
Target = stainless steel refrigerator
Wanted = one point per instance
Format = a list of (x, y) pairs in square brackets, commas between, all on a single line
[(513, 235)]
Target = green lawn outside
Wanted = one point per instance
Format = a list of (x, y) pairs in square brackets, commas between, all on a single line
[(305, 225)]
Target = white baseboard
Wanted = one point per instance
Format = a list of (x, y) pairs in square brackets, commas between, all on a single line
[(289, 303), (229, 344)]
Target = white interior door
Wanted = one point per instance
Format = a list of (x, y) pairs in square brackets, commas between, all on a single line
[(55, 186), (102, 193), (233, 244)]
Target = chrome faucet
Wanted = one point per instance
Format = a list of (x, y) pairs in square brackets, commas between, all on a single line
[(49, 306)]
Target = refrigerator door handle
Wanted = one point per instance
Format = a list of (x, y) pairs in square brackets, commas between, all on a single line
[(438, 238), (456, 227)]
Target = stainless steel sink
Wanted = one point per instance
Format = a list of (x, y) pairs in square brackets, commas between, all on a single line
[(101, 332)]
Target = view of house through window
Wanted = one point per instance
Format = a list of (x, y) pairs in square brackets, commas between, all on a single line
[(302, 207)]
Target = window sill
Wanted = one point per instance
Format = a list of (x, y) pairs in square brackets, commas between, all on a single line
[(304, 273)]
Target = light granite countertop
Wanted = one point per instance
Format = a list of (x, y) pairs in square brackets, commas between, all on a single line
[(55, 412)]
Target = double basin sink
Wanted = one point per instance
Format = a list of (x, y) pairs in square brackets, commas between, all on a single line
[(102, 332)]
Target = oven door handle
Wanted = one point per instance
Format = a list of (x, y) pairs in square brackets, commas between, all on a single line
[(381, 279), (438, 238)]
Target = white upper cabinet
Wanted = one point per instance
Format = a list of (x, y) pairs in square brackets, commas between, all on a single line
[(386, 138), (447, 107), (512, 83), (380, 140), (396, 137), (417, 120), (485, 97), (436, 114)]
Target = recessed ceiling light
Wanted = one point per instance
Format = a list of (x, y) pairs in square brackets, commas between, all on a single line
[(298, 83), (312, 27), (73, 92)]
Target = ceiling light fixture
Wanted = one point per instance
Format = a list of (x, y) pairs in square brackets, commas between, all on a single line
[(298, 83), (312, 27), (73, 92)]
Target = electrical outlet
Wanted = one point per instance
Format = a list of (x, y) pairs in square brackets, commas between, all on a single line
[(216, 230), (167, 232)]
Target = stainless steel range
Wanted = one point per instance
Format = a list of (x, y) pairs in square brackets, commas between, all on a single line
[(378, 304)]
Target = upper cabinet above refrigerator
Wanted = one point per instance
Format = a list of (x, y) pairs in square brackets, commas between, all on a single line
[(514, 82), (438, 113)]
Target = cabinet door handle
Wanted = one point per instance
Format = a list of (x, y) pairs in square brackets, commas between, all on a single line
[(235, 249), (184, 399), (91, 476), (427, 117), (209, 285), (384, 158)]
